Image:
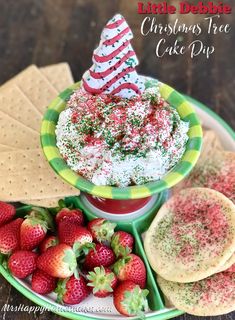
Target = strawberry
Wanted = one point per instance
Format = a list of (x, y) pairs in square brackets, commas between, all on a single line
[(58, 261), (10, 236), (75, 236), (103, 281), (130, 300), (32, 231), (74, 216), (72, 290), (132, 268), (48, 242), (101, 255), (101, 229), (42, 282), (22, 263), (122, 243), (7, 212)]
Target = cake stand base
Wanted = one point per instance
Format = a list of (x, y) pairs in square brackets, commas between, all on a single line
[(154, 202)]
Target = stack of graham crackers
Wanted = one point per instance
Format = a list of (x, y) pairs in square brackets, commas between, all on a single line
[(25, 174)]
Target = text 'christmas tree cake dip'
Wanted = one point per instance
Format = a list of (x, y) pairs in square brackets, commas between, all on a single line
[(115, 130)]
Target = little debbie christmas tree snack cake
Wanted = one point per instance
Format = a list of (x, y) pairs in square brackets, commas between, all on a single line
[(114, 61), (117, 128)]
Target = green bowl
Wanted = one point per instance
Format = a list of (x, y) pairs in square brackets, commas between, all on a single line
[(182, 169)]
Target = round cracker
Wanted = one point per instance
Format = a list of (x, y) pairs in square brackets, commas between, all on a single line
[(229, 263), (212, 296), (215, 171), (211, 142), (192, 236)]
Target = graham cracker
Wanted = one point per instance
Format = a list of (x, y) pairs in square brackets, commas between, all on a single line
[(46, 203), (16, 105), (13, 134), (59, 75), (26, 175), (4, 148), (35, 86)]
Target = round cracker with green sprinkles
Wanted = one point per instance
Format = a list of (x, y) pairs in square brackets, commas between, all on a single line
[(192, 236), (216, 171), (212, 296), (229, 263)]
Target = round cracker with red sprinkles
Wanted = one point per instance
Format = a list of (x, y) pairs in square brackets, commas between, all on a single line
[(212, 296), (229, 263), (215, 172), (192, 236)]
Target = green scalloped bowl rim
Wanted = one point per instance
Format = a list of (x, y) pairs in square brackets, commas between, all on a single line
[(182, 169)]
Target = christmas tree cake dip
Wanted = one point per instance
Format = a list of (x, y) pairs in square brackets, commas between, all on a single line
[(117, 129)]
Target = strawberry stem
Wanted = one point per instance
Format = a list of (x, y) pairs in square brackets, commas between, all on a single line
[(135, 302), (60, 290), (100, 280), (119, 249), (3, 260), (120, 264), (43, 215), (81, 250), (105, 231)]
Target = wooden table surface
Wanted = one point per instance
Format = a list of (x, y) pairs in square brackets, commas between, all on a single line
[(48, 31)]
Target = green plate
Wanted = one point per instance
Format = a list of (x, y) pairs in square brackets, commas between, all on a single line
[(136, 227), (190, 157)]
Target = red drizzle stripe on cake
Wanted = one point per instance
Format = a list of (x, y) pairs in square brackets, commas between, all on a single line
[(117, 37), (115, 24), (112, 54), (99, 75), (109, 83), (130, 86)]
